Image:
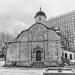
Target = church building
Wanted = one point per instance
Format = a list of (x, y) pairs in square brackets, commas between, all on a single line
[(37, 46)]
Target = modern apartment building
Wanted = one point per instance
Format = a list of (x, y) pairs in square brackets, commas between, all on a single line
[(66, 23)]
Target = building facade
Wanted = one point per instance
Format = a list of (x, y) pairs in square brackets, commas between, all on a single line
[(36, 46), (69, 54)]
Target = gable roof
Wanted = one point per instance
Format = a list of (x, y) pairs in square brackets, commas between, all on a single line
[(32, 26)]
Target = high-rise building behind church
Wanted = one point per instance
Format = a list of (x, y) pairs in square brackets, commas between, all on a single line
[(66, 23)]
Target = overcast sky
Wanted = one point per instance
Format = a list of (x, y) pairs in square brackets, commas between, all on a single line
[(17, 15)]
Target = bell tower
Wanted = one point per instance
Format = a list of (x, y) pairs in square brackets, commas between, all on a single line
[(40, 17)]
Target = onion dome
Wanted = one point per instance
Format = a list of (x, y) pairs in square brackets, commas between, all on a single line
[(40, 13)]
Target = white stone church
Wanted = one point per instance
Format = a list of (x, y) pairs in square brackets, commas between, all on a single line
[(38, 45)]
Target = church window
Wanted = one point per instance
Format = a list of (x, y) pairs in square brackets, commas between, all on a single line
[(70, 56), (65, 55), (39, 18)]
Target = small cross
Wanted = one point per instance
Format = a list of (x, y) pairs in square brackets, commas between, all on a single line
[(40, 8)]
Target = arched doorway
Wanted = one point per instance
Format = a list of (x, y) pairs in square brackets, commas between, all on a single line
[(38, 56)]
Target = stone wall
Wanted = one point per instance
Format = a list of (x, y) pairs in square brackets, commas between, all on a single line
[(13, 52), (46, 40)]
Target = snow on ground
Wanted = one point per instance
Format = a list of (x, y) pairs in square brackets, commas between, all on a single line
[(20, 71), (2, 63)]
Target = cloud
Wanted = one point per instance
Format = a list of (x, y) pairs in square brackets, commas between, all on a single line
[(15, 15), (13, 28)]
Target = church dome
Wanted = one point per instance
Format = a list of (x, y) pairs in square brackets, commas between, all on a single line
[(40, 13)]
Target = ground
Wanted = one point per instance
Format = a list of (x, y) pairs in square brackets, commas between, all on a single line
[(28, 71), (20, 71)]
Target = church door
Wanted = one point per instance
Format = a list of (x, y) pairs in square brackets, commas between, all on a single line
[(38, 56)]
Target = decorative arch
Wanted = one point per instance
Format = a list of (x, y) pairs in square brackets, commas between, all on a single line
[(37, 54), (37, 49)]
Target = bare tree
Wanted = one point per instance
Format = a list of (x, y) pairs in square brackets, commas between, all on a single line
[(4, 38)]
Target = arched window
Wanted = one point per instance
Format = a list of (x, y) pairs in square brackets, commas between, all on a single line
[(38, 56)]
